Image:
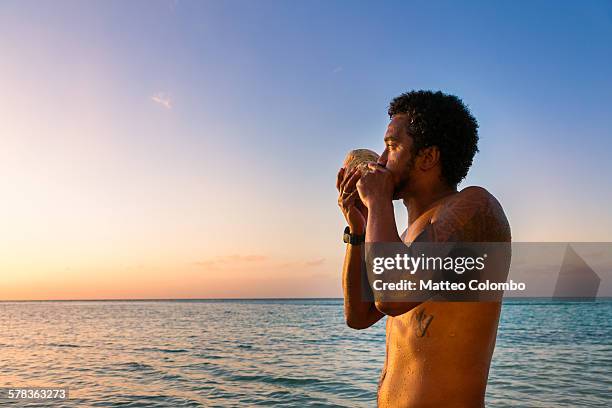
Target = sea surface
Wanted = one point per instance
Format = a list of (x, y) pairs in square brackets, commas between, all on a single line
[(286, 353)]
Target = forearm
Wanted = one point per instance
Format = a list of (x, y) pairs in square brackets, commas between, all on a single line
[(359, 312), (381, 228), (381, 225)]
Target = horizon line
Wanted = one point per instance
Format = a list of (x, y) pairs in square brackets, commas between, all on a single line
[(165, 299), (261, 298)]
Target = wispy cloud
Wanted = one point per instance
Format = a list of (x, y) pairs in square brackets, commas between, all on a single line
[(315, 262), (337, 69), (162, 99), (244, 258), (233, 261), (230, 260), (301, 264)]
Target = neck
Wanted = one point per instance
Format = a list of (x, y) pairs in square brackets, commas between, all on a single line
[(424, 199)]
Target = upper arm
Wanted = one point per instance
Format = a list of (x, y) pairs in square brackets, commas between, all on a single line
[(464, 219)]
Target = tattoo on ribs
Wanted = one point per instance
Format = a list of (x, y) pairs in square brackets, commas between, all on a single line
[(423, 321)]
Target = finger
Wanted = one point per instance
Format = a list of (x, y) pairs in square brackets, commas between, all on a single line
[(350, 200), (361, 207), (375, 166), (378, 168), (346, 179), (345, 199), (351, 181), (340, 177)]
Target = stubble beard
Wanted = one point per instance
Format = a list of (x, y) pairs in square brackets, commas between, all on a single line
[(404, 182)]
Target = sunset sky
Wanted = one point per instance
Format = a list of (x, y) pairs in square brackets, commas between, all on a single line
[(167, 149)]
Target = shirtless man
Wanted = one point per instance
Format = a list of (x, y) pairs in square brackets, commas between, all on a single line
[(438, 353)]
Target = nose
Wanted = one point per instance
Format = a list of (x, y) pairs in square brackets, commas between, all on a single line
[(382, 160)]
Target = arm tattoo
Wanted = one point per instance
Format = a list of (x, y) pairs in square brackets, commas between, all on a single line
[(422, 322)]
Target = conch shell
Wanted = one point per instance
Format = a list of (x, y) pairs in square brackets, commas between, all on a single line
[(359, 158)]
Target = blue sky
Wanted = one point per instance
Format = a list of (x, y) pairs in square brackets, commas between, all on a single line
[(168, 133)]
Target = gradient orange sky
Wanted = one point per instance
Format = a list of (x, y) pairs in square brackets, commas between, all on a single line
[(177, 149)]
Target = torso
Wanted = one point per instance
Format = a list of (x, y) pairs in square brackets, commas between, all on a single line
[(438, 354)]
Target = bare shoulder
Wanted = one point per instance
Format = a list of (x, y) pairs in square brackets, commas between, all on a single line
[(476, 194), (473, 214)]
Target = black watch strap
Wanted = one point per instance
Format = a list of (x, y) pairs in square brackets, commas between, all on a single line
[(352, 239)]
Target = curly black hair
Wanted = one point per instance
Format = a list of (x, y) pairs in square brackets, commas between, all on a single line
[(442, 120)]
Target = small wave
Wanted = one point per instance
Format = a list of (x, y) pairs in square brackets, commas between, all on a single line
[(64, 345), (209, 356), (133, 365), (321, 385), (162, 350), (287, 381), (148, 401)]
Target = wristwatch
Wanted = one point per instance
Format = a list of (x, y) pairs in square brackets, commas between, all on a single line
[(352, 239)]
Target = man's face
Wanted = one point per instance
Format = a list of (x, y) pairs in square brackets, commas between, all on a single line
[(398, 156)]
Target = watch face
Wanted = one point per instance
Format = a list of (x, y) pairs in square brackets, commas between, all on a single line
[(346, 238)]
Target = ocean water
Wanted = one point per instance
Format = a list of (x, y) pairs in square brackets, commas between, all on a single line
[(289, 353)]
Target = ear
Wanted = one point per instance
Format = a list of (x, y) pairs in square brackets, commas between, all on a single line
[(429, 158)]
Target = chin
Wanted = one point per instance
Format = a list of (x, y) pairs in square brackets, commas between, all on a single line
[(399, 195), (400, 192)]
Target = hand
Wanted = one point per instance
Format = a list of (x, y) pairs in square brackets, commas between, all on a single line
[(351, 206), (376, 184)]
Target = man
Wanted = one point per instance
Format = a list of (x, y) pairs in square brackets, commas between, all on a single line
[(438, 353)]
